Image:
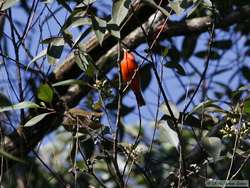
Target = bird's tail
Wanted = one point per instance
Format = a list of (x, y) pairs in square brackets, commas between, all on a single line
[(139, 98)]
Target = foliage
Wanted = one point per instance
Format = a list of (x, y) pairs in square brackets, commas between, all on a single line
[(67, 119)]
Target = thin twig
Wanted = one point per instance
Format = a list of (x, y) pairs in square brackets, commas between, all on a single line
[(59, 179), (118, 117), (155, 125), (241, 166), (183, 165), (238, 128), (91, 170), (205, 69), (19, 74)]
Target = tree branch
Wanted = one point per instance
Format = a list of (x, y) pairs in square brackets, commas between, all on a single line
[(136, 37), (23, 140)]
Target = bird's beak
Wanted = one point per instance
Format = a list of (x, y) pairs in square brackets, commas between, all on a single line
[(124, 50)]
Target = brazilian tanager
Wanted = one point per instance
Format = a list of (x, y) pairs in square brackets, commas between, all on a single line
[(128, 69)]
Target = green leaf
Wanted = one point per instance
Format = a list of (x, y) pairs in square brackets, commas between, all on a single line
[(125, 109), (76, 17), (208, 105), (36, 119), (50, 40), (99, 26), (188, 46), (9, 156), (168, 135), (176, 6), (69, 82), (244, 88), (247, 53), (247, 106), (39, 56), (45, 93), (5, 4), (55, 47), (194, 7), (88, 147), (97, 105), (21, 105), (174, 109), (174, 54), (68, 37), (4, 101), (47, 1), (154, 5), (246, 73), (222, 44), (203, 54), (146, 75), (207, 3), (51, 60), (120, 10), (247, 42), (165, 52), (76, 22), (88, 2), (84, 62), (114, 29), (180, 70), (212, 145), (80, 22)]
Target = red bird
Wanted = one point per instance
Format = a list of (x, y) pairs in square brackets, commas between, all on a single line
[(128, 68)]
